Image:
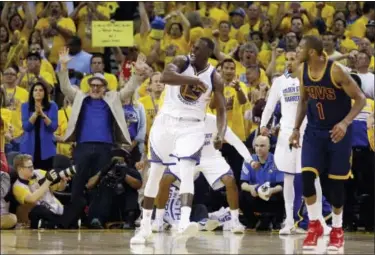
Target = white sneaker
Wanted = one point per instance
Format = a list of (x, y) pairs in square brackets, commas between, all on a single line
[(143, 235), (157, 226), (227, 225), (211, 225), (287, 230), (300, 231), (237, 227), (188, 230)]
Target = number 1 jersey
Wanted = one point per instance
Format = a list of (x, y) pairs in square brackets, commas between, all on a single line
[(189, 101)]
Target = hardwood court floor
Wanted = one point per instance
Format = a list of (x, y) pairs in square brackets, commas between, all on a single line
[(117, 242)]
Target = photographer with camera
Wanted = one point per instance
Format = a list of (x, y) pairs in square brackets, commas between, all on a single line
[(116, 189), (36, 187)]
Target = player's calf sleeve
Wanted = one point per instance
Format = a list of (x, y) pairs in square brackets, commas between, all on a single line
[(186, 168), (155, 174), (308, 183), (337, 193)]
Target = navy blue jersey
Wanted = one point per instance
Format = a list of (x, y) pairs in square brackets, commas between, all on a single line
[(328, 104)]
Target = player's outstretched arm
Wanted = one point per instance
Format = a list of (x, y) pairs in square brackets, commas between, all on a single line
[(352, 89), (172, 73), (221, 116), (236, 142)]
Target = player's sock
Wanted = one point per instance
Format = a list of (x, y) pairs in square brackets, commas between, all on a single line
[(319, 200), (337, 220), (159, 214), (289, 198), (313, 211), (185, 215), (234, 214), (146, 216)]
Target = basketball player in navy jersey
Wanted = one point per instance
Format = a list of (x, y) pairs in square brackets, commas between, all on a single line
[(326, 91)]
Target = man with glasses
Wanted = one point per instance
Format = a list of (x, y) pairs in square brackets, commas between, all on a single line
[(97, 121), (16, 96), (36, 187)]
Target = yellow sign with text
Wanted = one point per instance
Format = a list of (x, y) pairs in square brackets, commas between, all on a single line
[(112, 34)]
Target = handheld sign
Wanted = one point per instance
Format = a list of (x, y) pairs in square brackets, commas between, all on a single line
[(112, 34)]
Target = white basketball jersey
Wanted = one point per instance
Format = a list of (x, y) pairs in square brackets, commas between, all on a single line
[(189, 101)]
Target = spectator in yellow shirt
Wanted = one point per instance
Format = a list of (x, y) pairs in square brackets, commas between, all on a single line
[(83, 15), (97, 66), (226, 43), (46, 66), (57, 29), (62, 147), (151, 101), (237, 20), (358, 28), (16, 96), (211, 16), (15, 22), (253, 23), (33, 73)]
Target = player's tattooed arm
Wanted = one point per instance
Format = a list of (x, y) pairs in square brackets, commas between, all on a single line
[(172, 73), (221, 117), (352, 89)]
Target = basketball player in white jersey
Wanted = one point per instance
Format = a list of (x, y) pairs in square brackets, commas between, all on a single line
[(216, 171), (286, 90), (178, 130)]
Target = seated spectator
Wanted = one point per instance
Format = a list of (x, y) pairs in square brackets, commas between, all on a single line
[(35, 187), (97, 66), (116, 187), (99, 109), (79, 66), (16, 96), (135, 117), (64, 148), (39, 121), (7, 220), (33, 74), (262, 188)]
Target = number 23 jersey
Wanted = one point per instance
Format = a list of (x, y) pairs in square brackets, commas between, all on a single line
[(187, 101)]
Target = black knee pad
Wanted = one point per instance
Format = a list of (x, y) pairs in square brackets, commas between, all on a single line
[(337, 193), (308, 183)]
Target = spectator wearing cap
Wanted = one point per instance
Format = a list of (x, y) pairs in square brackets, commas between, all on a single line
[(262, 188), (362, 162), (237, 19), (32, 73), (370, 32), (83, 15), (358, 28), (97, 121), (39, 122), (80, 65), (97, 66), (15, 96), (56, 29), (367, 78), (150, 32)]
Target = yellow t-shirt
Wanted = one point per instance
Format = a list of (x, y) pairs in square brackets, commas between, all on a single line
[(82, 26), (371, 138), (110, 78), (358, 28), (145, 43), (228, 46), (30, 79), (270, 11), (245, 31), (195, 34), (234, 109), (215, 16), (58, 41), (181, 45), (327, 13), (265, 56), (150, 110), (63, 148), (46, 67), (6, 116), (17, 97), (241, 70)]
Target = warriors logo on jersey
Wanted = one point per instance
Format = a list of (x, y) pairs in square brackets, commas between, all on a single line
[(190, 94)]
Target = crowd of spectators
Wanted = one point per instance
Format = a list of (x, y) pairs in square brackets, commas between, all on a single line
[(63, 99)]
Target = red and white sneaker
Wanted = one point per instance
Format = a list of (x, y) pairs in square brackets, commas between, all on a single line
[(315, 230), (336, 239)]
